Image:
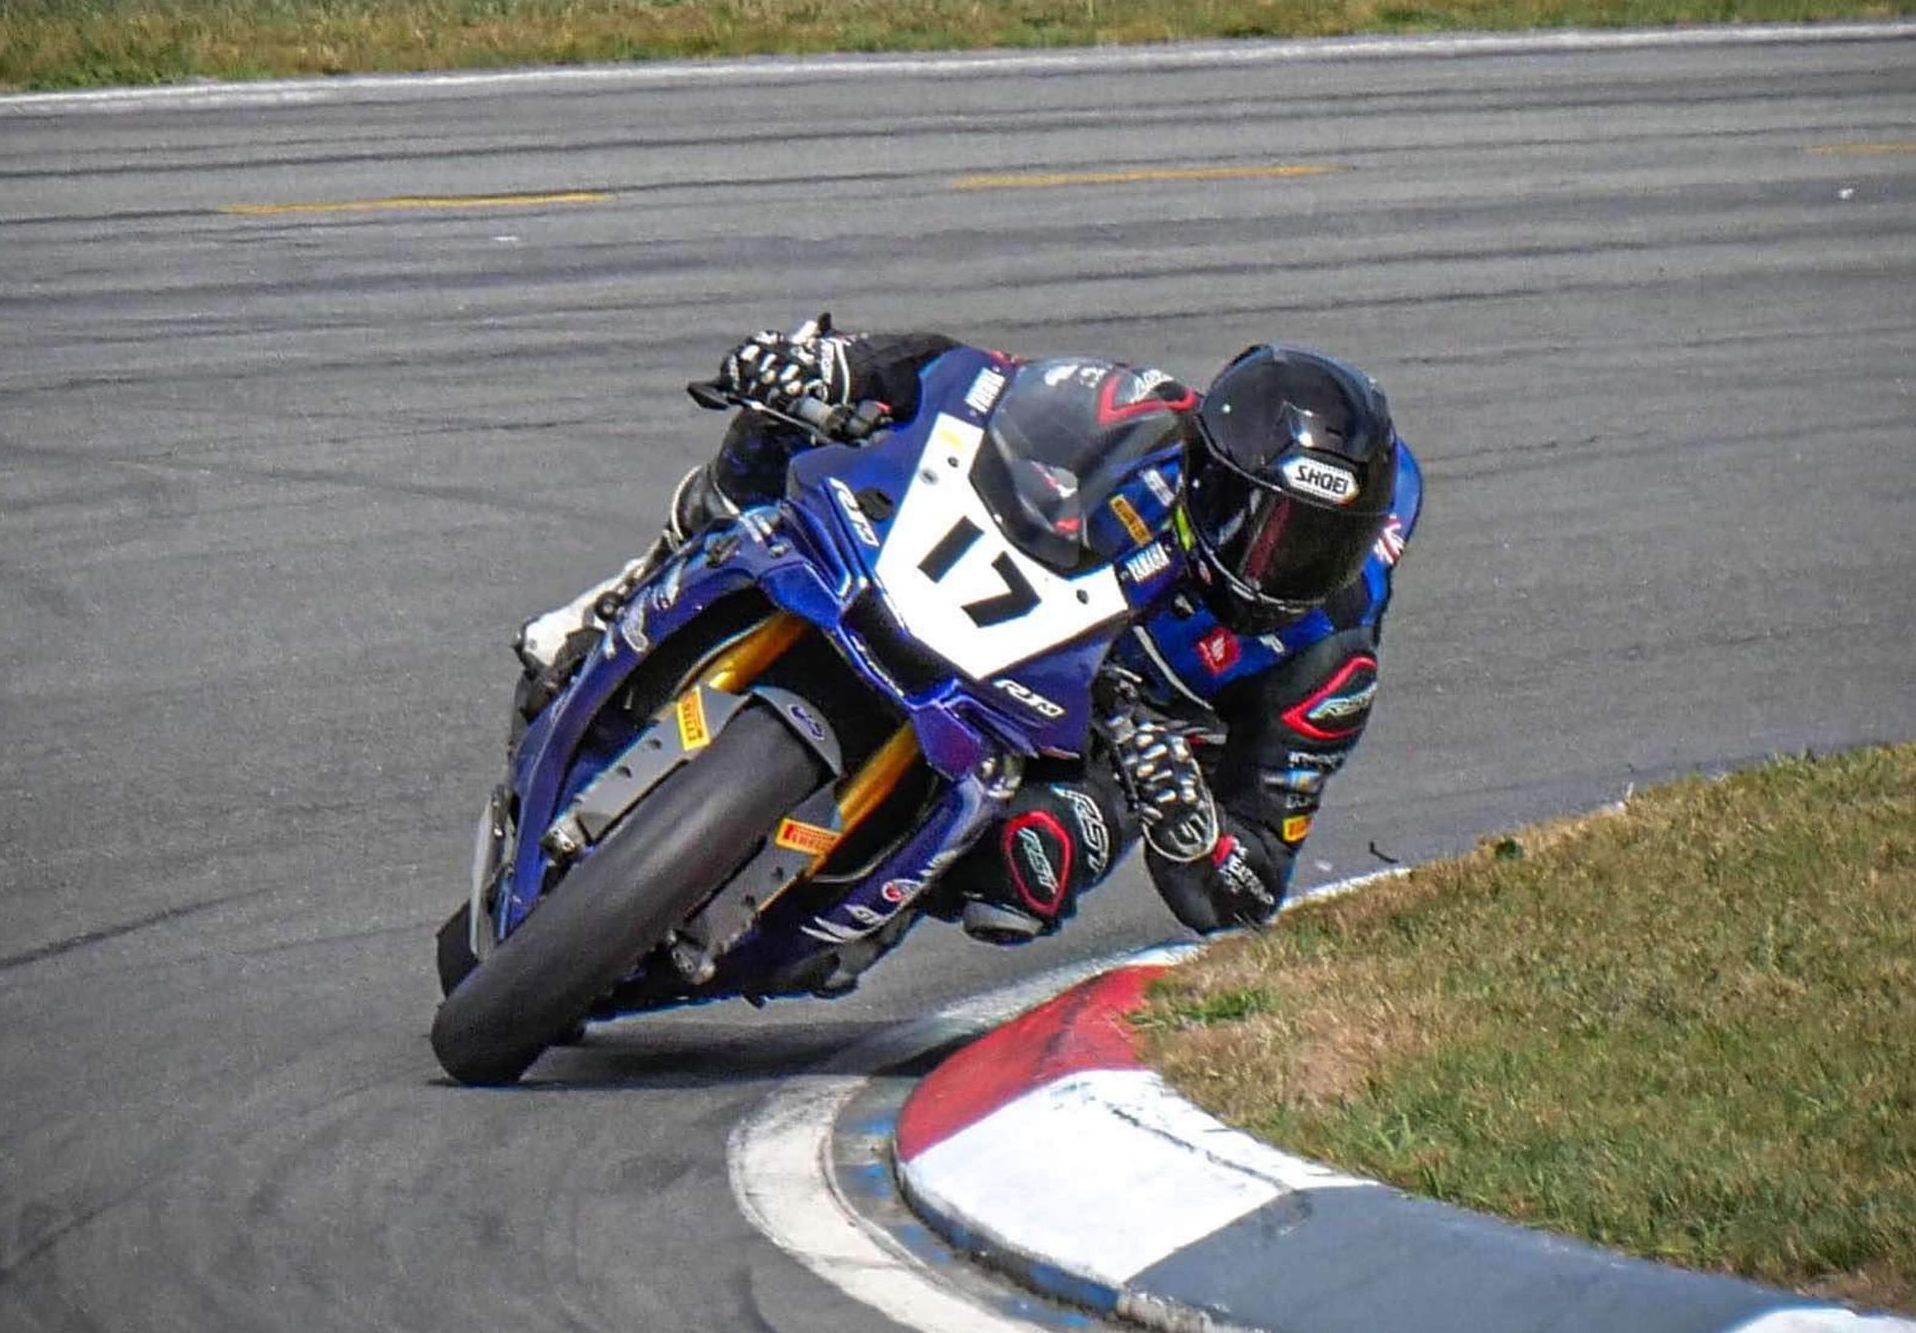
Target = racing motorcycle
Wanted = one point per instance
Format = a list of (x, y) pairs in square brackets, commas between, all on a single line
[(795, 722)]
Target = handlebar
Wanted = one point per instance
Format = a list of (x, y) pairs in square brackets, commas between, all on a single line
[(849, 423)]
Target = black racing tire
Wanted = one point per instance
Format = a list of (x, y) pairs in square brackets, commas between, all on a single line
[(452, 951), (658, 864)]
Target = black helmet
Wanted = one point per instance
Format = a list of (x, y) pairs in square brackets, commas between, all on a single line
[(1292, 475)]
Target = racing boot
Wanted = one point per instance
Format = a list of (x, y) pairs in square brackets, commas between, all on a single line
[(551, 646), (1057, 841)]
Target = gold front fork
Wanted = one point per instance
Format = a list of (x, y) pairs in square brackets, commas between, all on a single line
[(736, 667), (863, 792)]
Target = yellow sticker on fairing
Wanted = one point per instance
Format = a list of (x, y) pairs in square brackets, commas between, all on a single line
[(803, 837), (694, 734), (1129, 517)]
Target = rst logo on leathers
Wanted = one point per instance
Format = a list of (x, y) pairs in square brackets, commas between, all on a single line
[(1091, 829), (1338, 708)]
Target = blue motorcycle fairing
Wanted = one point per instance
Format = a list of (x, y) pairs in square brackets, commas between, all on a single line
[(821, 554), (890, 886), (1038, 704)]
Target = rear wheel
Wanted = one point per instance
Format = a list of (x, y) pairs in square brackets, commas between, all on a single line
[(664, 859)]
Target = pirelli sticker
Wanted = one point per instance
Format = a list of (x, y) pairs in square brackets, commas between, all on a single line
[(1129, 517), (803, 837), (694, 733), (1296, 827)]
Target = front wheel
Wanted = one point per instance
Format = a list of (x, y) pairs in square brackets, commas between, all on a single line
[(675, 850)]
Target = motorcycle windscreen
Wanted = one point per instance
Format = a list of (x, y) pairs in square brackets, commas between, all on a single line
[(1061, 439)]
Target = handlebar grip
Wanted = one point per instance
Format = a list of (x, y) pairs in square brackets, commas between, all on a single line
[(708, 395), (820, 415), (850, 423)]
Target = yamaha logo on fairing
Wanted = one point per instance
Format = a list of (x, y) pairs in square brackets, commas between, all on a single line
[(984, 390), (1152, 560), (1325, 481)]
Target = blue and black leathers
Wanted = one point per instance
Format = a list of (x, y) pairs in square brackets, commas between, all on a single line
[(1278, 714), (1271, 717)]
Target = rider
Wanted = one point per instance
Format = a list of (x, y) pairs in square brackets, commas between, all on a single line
[(1222, 714)]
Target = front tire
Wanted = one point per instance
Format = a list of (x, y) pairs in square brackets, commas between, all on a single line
[(452, 949), (658, 864)]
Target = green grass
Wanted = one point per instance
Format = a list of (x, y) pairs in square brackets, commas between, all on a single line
[(69, 43), (1687, 1030)]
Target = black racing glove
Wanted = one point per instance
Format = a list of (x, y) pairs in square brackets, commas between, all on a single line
[(1237, 884), (1237, 891), (778, 369), (1164, 785)]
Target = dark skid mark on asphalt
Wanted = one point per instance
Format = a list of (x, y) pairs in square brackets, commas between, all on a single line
[(1871, 229), (1819, 230), (479, 496), (36, 1217), (9, 962)]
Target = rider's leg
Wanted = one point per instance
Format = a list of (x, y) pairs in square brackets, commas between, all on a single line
[(1057, 840), (551, 646), (749, 468)]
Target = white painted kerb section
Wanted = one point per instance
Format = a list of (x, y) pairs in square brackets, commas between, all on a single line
[(778, 1162), (1097, 1172)]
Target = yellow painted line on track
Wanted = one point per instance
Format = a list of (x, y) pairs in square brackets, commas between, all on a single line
[(1051, 180), (1864, 149), (401, 202)]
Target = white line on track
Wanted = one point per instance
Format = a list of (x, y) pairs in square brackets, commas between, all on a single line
[(779, 1157), (400, 87), (780, 1167), (779, 1161)]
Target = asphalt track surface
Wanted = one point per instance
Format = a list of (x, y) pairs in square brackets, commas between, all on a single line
[(274, 488)]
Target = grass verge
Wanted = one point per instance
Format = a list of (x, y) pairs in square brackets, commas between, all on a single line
[(1686, 1029), (75, 43)]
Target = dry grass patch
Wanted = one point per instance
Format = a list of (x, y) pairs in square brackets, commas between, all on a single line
[(67, 43), (1687, 1029)]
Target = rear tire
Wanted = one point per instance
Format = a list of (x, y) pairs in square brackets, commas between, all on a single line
[(657, 865)]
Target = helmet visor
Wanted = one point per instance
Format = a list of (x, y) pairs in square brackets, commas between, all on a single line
[(1277, 546)]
